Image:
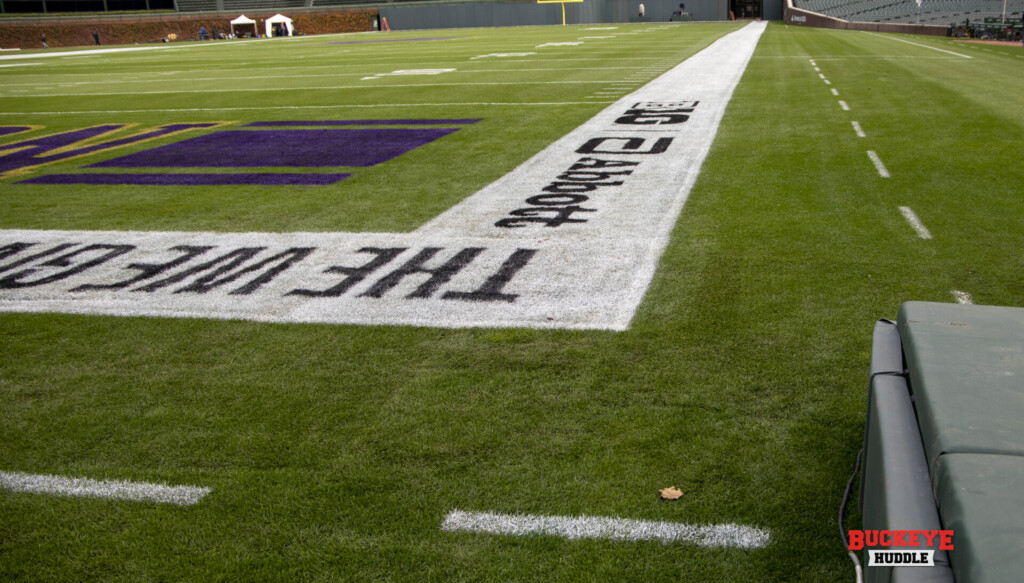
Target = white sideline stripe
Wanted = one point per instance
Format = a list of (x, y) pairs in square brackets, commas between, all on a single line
[(963, 297), (293, 107), (857, 128), (857, 57), (621, 529), (90, 52), (919, 45), (882, 170), (915, 222), (117, 490), (321, 88), (844, 105), (316, 75)]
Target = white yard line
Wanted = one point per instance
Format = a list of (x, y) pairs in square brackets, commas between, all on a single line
[(882, 170), (915, 222), (835, 92), (963, 297), (117, 490), (858, 57), (918, 45), (300, 107), (374, 86), (844, 105), (184, 77), (857, 128), (595, 527), (93, 52)]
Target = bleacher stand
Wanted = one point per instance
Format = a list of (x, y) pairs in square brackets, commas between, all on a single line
[(985, 15)]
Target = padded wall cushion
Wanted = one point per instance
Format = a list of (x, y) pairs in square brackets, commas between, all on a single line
[(966, 376), (895, 490), (981, 498)]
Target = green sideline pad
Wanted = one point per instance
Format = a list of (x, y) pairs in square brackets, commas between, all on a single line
[(981, 498), (967, 376), (896, 489), (966, 370)]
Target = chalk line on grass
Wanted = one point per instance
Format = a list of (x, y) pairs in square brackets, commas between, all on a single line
[(596, 527), (915, 222), (116, 490), (963, 297), (858, 129), (304, 107), (569, 239), (321, 88), (844, 105), (918, 45), (879, 166)]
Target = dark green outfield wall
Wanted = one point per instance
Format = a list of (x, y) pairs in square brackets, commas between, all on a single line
[(411, 16), (17, 32)]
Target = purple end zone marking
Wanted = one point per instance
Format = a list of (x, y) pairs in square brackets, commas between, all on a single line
[(393, 40), (13, 130), (190, 179), (39, 150), (365, 122), (283, 148)]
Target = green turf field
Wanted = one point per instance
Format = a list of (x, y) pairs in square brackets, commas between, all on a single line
[(335, 452)]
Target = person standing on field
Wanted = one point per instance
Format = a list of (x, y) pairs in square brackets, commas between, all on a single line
[(96, 37), (42, 37)]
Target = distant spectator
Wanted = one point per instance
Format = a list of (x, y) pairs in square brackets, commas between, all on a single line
[(641, 10), (96, 37), (42, 37)]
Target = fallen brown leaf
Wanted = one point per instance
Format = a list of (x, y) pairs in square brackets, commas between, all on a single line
[(671, 493)]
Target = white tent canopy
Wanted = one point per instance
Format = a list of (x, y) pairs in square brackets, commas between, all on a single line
[(243, 20), (279, 19)]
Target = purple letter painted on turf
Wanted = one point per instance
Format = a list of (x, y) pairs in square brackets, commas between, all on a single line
[(365, 122), (282, 148), (38, 151), (6, 131), (190, 179)]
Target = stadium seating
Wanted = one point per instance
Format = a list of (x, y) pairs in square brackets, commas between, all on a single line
[(907, 11), (197, 5), (262, 5)]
